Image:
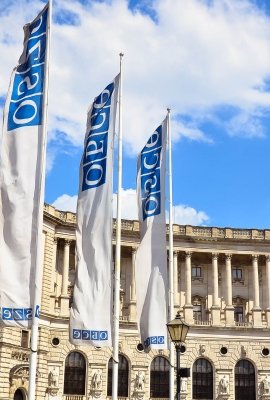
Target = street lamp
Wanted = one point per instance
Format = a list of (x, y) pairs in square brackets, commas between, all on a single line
[(178, 330)]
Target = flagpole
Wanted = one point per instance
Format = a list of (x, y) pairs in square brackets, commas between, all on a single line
[(171, 285), (117, 248), (39, 241)]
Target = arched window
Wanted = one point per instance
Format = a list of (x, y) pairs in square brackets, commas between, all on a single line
[(159, 377), (75, 372), (244, 381), (18, 395), (202, 379), (122, 377)]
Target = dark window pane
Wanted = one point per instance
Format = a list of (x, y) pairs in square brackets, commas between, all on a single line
[(202, 376), (159, 377), (237, 273), (196, 272), (244, 381), (25, 339), (75, 370)]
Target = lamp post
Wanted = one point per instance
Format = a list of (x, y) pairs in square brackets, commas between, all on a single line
[(178, 330)]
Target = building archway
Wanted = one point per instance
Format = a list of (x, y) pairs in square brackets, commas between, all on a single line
[(19, 395), (202, 377), (244, 375)]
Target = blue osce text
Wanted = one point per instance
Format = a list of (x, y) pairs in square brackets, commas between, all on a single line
[(25, 107), (84, 334), (150, 175), (94, 160)]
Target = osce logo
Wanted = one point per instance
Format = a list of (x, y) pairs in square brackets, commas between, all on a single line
[(150, 175), (154, 340), (25, 108), (84, 334), (16, 314), (96, 143)]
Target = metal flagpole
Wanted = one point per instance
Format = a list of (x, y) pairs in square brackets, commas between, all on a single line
[(171, 284), (118, 248), (39, 241)]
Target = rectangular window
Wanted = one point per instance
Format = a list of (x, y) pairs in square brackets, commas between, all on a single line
[(196, 272), (237, 274), (238, 314), (25, 339), (197, 313)]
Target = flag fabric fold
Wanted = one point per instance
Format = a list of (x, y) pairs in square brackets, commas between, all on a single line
[(91, 312), (151, 256), (22, 162)]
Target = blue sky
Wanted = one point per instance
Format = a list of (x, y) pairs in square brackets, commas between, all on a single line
[(209, 61)]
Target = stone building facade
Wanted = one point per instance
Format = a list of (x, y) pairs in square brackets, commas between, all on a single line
[(221, 287)]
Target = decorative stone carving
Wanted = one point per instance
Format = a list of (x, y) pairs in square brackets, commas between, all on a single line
[(183, 385), (97, 379), (202, 349), (53, 377), (139, 391), (20, 355), (223, 388), (265, 388), (96, 384), (139, 381), (224, 385), (53, 384), (18, 378)]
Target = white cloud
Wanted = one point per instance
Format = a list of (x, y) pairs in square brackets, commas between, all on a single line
[(196, 57), (186, 215), (129, 204), (248, 125), (182, 214), (66, 203)]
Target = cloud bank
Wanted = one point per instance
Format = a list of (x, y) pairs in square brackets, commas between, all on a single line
[(182, 214), (193, 56)]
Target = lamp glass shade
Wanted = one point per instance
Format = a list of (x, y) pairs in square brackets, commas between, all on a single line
[(178, 329)]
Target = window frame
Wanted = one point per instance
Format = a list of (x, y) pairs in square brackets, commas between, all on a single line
[(75, 375), (160, 378), (202, 379)]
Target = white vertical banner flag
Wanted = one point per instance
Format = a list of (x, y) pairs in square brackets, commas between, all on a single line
[(22, 178), (91, 312), (151, 256)]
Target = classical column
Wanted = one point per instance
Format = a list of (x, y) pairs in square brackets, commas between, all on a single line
[(188, 307), (132, 303), (54, 258), (267, 267), (228, 280), (64, 291), (255, 281), (229, 309), (215, 309), (65, 268), (256, 310), (175, 281), (188, 278)]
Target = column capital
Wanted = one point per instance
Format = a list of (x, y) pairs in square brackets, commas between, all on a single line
[(68, 242), (55, 240), (188, 254), (215, 256), (267, 257), (228, 256), (255, 257), (134, 250), (175, 253)]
